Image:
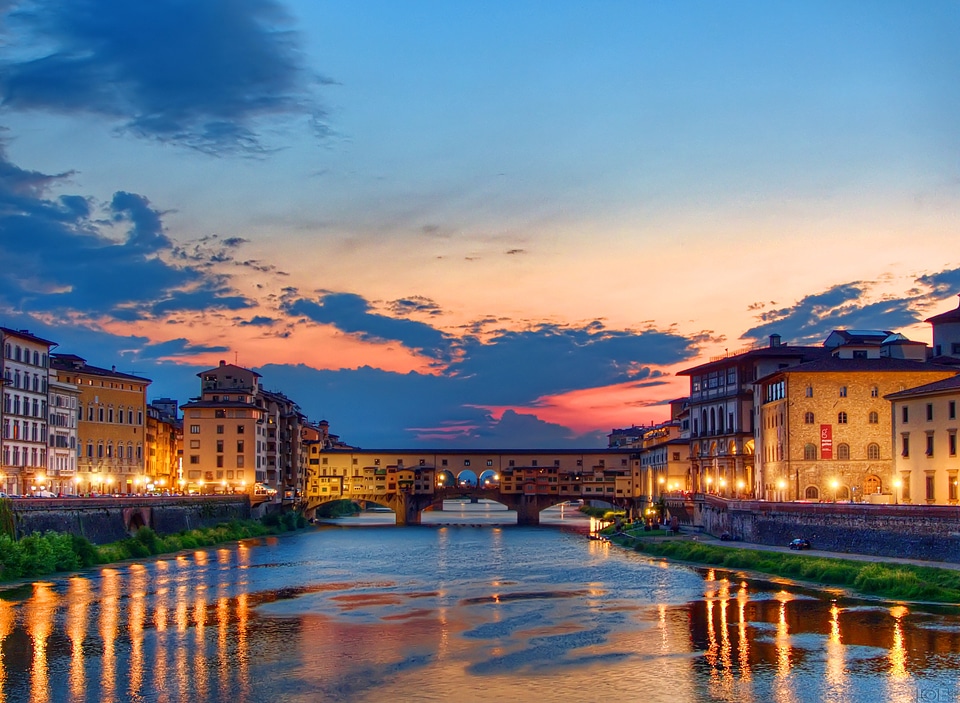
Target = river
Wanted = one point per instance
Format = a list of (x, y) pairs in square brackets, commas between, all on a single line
[(358, 611)]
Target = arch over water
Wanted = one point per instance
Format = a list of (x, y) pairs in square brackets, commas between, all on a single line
[(488, 479), (446, 479), (467, 479)]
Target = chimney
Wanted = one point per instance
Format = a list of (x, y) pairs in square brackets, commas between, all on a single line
[(113, 368), (774, 341), (222, 362)]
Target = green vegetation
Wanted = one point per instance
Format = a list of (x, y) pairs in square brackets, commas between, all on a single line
[(601, 513), (338, 508), (51, 552), (893, 581)]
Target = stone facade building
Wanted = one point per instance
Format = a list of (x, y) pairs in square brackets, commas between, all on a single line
[(824, 426), (111, 425), (25, 375), (62, 426)]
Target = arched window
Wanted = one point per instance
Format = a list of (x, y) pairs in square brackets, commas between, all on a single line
[(843, 391), (100, 450), (812, 493), (809, 391), (808, 418), (874, 417), (36, 358), (809, 452), (90, 449), (874, 392), (843, 452), (841, 418), (873, 451), (109, 450)]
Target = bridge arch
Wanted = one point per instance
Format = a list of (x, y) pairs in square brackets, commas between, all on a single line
[(467, 479), (488, 479)]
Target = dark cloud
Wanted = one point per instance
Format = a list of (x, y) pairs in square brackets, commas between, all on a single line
[(518, 367), (351, 314), (516, 251), (257, 321), (203, 74), (176, 347), (811, 319), (944, 283), (414, 304), (57, 255)]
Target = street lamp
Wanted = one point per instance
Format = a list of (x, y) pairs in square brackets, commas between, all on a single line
[(781, 487), (897, 483), (709, 481), (834, 484)]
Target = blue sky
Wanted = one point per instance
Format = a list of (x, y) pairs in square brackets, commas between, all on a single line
[(474, 224)]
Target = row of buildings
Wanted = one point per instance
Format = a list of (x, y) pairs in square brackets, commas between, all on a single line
[(69, 428), (867, 416)]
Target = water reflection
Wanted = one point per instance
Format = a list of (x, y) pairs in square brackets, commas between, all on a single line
[(441, 613)]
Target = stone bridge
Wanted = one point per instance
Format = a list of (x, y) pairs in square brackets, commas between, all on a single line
[(408, 505)]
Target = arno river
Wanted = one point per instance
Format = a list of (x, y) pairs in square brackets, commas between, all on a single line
[(458, 613)]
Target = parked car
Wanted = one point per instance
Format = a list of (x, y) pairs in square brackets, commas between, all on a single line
[(800, 543), (727, 537)]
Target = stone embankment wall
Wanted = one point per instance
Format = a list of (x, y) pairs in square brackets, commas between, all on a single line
[(103, 520), (909, 531)]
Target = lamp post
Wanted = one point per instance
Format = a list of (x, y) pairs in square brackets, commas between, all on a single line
[(834, 484), (781, 487), (897, 483)]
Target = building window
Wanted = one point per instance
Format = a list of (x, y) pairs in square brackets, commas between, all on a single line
[(809, 391), (843, 452), (466, 462), (841, 418), (843, 391), (874, 417), (194, 429), (874, 392), (220, 461), (929, 451), (808, 418), (240, 429), (194, 458), (930, 487), (952, 487), (905, 414), (194, 443), (490, 462), (811, 493), (929, 412), (873, 451), (809, 452), (952, 410), (952, 443), (220, 445)]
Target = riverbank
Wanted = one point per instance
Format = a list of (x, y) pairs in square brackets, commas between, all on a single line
[(55, 552), (891, 581)]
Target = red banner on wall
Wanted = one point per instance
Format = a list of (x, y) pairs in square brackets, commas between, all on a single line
[(826, 441)]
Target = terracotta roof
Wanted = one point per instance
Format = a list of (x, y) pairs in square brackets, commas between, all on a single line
[(884, 363), (760, 353), (25, 334), (945, 385), (76, 364)]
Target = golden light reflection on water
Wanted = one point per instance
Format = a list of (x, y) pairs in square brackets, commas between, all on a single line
[(40, 614), (7, 619)]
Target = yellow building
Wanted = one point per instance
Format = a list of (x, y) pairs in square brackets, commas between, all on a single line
[(824, 426), (164, 438), (224, 433), (111, 426), (925, 423)]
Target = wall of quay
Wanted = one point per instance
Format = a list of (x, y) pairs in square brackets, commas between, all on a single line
[(907, 531), (103, 520)]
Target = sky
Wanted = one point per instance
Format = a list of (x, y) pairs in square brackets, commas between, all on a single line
[(464, 224)]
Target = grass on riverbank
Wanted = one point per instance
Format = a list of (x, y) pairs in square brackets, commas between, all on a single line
[(52, 552), (892, 581)]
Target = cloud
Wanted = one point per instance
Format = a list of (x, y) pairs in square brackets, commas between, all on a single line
[(848, 306), (414, 304), (204, 74), (351, 314), (257, 321), (60, 254), (176, 347), (518, 367)]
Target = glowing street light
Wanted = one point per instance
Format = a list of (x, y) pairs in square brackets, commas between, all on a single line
[(897, 483), (835, 485)]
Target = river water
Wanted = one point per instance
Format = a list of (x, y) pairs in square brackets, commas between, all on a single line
[(476, 612)]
